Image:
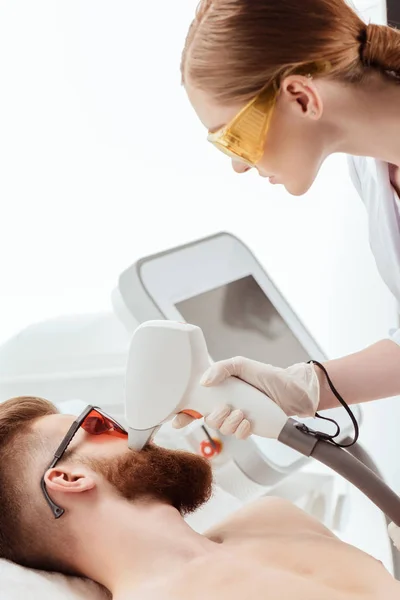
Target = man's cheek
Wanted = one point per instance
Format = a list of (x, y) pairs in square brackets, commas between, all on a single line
[(104, 446)]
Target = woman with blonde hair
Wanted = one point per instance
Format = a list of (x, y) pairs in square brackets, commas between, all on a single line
[(280, 85)]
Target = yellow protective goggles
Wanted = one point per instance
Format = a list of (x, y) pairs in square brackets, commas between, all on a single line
[(243, 138)]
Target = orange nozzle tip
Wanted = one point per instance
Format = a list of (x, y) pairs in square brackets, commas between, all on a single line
[(192, 413), (208, 451)]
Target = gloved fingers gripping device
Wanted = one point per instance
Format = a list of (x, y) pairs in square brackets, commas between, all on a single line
[(166, 361)]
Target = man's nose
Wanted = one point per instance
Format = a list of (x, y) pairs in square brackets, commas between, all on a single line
[(239, 167)]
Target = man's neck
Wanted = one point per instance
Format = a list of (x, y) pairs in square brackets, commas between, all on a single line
[(136, 545)]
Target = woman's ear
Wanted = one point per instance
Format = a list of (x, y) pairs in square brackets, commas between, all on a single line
[(69, 478), (300, 91)]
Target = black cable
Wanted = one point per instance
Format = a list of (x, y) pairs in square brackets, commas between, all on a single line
[(325, 436), (213, 444)]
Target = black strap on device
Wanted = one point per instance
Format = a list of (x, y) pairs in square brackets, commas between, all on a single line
[(325, 436)]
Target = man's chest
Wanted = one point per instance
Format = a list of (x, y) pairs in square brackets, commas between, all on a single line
[(278, 542), (272, 549), (277, 569), (245, 577)]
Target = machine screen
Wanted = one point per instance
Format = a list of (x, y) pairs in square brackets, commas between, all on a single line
[(238, 319)]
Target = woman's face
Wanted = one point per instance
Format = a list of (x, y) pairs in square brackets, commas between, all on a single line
[(297, 142)]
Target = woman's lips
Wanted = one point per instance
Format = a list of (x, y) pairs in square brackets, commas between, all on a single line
[(271, 178)]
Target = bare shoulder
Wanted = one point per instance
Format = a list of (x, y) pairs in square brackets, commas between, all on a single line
[(270, 515)]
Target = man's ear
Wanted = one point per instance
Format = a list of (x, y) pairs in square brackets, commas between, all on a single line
[(69, 478)]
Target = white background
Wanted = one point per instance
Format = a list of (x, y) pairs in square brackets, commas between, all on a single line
[(102, 161)]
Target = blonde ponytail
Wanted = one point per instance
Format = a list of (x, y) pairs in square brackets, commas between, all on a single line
[(234, 48), (380, 48)]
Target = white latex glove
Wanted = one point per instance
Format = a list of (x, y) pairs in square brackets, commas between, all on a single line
[(295, 390)]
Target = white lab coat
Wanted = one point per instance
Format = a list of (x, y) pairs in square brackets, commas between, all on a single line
[(372, 181)]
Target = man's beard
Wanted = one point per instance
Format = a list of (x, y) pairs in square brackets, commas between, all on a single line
[(182, 479)]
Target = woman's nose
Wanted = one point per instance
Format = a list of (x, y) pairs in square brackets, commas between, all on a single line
[(239, 167)]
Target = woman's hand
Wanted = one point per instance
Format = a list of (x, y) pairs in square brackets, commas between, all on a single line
[(295, 390)]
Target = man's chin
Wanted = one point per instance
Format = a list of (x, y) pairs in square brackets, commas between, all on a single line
[(185, 479), (182, 479)]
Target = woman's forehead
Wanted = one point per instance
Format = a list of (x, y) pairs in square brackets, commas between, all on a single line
[(212, 114)]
